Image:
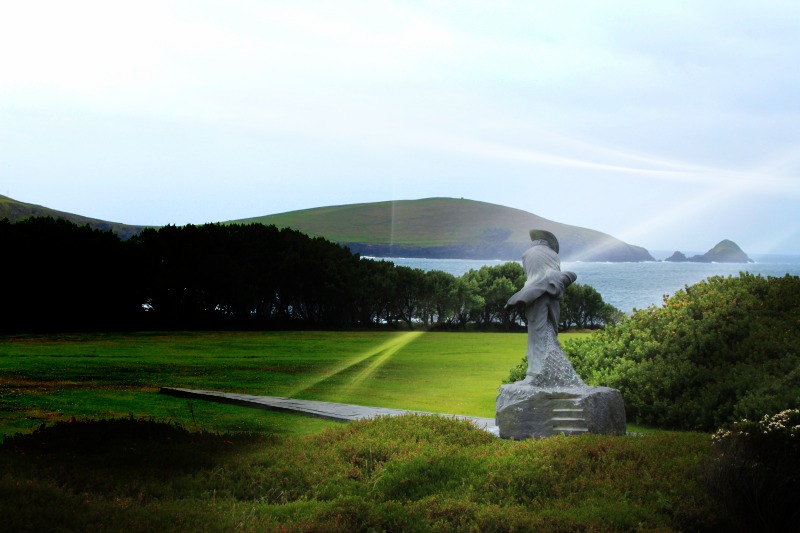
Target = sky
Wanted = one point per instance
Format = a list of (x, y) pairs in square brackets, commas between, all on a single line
[(671, 125)]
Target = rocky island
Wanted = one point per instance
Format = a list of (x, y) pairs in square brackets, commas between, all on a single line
[(724, 252)]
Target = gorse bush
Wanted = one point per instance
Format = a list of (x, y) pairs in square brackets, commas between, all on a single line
[(717, 351), (754, 473)]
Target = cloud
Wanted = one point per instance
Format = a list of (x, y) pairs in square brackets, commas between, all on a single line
[(646, 112)]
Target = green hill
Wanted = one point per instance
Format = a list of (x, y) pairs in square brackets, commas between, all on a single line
[(15, 211), (447, 228), (431, 227)]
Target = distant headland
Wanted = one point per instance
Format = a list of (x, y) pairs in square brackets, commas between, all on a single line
[(725, 251), (443, 228), (433, 228), (448, 228)]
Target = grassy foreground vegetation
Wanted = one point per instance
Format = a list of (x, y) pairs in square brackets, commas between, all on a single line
[(410, 473), (203, 466)]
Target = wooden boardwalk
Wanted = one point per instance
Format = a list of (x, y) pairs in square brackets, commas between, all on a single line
[(332, 411)]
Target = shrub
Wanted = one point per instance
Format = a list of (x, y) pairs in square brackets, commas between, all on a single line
[(409, 473), (517, 372), (754, 474), (717, 351)]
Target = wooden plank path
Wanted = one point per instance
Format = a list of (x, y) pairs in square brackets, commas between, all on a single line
[(342, 412)]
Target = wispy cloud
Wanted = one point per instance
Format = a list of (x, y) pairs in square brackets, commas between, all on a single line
[(648, 113)]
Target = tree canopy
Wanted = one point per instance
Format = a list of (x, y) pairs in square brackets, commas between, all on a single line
[(62, 276)]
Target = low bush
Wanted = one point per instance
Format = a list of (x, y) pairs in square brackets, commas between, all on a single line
[(717, 351), (517, 372), (754, 473), (410, 473)]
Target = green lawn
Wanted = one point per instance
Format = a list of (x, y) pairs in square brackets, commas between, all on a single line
[(49, 378), (217, 467)]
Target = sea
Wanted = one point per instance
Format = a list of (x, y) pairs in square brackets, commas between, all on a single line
[(630, 286)]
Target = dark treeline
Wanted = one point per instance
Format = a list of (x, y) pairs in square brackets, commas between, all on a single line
[(59, 276)]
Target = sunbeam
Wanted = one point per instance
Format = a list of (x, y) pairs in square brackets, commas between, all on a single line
[(381, 354), (738, 184), (380, 358), (768, 179), (706, 187), (392, 225)]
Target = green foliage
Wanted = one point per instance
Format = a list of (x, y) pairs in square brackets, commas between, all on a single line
[(496, 285), (720, 350), (410, 473), (237, 277), (583, 307), (60, 275), (754, 473), (517, 372)]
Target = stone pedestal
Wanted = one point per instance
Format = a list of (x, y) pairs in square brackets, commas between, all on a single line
[(526, 411)]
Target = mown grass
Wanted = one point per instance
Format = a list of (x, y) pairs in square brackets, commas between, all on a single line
[(110, 375), (135, 460)]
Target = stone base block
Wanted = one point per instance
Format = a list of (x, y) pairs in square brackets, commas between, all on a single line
[(525, 411)]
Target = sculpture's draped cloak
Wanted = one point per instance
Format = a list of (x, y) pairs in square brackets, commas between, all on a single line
[(547, 364), (543, 270)]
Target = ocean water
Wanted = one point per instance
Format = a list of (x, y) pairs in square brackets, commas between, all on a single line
[(629, 286)]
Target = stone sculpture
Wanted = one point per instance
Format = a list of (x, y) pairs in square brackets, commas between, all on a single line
[(552, 399)]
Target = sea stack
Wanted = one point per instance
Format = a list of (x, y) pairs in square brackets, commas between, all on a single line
[(725, 251)]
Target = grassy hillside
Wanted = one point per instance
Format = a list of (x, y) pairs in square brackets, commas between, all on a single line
[(447, 227), (15, 211)]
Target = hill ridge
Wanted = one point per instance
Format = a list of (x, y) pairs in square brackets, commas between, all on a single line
[(442, 227), (14, 210), (437, 227)]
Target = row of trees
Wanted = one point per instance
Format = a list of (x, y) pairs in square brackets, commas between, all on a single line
[(62, 276)]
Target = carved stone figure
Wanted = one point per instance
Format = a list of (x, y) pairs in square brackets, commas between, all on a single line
[(552, 399), (548, 366)]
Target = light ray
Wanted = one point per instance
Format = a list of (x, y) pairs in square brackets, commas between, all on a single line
[(379, 360), (710, 186), (389, 347), (392, 225), (739, 185), (768, 179)]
